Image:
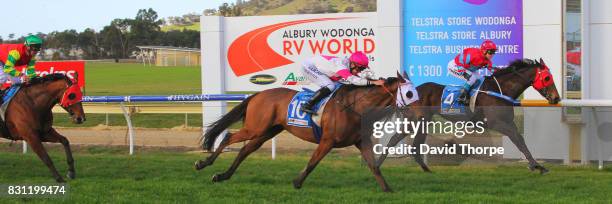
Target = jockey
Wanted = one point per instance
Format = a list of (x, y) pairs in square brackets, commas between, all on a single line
[(467, 64), (13, 55), (325, 70)]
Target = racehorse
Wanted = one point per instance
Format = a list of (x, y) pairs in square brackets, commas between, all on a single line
[(499, 113), (264, 116), (29, 116)]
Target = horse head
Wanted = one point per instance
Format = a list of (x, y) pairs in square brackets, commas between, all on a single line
[(63, 91), (544, 83), (406, 92), (71, 100), (533, 73)]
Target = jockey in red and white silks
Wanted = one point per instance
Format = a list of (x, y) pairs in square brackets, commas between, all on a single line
[(467, 63)]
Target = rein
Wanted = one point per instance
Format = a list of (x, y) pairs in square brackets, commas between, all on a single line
[(501, 95), (350, 105)]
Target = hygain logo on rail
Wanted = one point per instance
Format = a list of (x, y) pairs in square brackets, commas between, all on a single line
[(276, 45)]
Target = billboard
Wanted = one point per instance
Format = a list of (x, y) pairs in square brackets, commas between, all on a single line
[(435, 32), (69, 68), (263, 52)]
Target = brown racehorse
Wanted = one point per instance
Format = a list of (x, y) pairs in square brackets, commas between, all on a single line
[(29, 117), (499, 114), (264, 116)]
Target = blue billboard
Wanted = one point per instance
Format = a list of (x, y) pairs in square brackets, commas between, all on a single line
[(438, 30)]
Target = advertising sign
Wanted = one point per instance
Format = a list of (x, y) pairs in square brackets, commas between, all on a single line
[(437, 31), (266, 52), (69, 68)]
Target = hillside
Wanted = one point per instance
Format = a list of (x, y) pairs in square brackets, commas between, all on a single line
[(285, 7)]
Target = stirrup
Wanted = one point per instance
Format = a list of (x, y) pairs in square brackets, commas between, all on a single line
[(464, 101)]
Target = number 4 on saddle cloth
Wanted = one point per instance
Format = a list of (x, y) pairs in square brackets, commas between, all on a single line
[(298, 118), (450, 95), (7, 95)]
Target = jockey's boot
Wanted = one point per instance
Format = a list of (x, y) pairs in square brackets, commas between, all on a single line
[(320, 94), (464, 94), (463, 97), (2, 95)]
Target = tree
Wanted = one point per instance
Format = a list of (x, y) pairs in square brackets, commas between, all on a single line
[(63, 41), (115, 38), (210, 12), (224, 9), (89, 42), (145, 28)]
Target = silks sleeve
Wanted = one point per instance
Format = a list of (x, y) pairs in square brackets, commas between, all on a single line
[(9, 65), (352, 79), (30, 71)]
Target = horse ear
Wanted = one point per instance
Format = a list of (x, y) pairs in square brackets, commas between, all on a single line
[(542, 61), (400, 77), (405, 75), (76, 77)]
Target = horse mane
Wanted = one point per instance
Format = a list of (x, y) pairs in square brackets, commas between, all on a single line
[(517, 65), (49, 78)]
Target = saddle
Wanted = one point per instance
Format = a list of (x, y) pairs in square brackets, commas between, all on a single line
[(297, 117)]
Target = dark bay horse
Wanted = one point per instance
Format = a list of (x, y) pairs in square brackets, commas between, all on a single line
[(29, 116), (499, 113), (264, 115)]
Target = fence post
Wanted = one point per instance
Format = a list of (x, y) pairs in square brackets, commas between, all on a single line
[(273, 148), (126, 114), (213, 79), (24, 147)]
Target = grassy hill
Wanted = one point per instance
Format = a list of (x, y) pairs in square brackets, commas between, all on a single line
[(293, 7), (195, 26), (285, 7)]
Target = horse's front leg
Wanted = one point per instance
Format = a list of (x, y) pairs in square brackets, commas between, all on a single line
[(396, 138), (509, 129), (35, 143), (54, 136)]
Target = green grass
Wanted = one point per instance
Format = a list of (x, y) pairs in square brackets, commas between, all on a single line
[(136, 79), (194, 26), (109, 175), (294, 6), (145, 120)]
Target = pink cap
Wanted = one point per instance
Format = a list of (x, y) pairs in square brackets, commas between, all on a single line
[(359, 58)]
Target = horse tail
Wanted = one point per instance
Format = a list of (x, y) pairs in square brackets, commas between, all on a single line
[(217, 127)]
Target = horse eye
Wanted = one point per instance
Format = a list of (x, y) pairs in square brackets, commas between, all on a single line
[(71, 96), (547, 78), (409, 94)]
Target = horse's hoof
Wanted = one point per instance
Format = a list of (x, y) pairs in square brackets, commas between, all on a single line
[(387, 190), (532, 168), (197, 165), (71, 175), (218, 178), (543, 171), (60, 180), (297, 184)]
